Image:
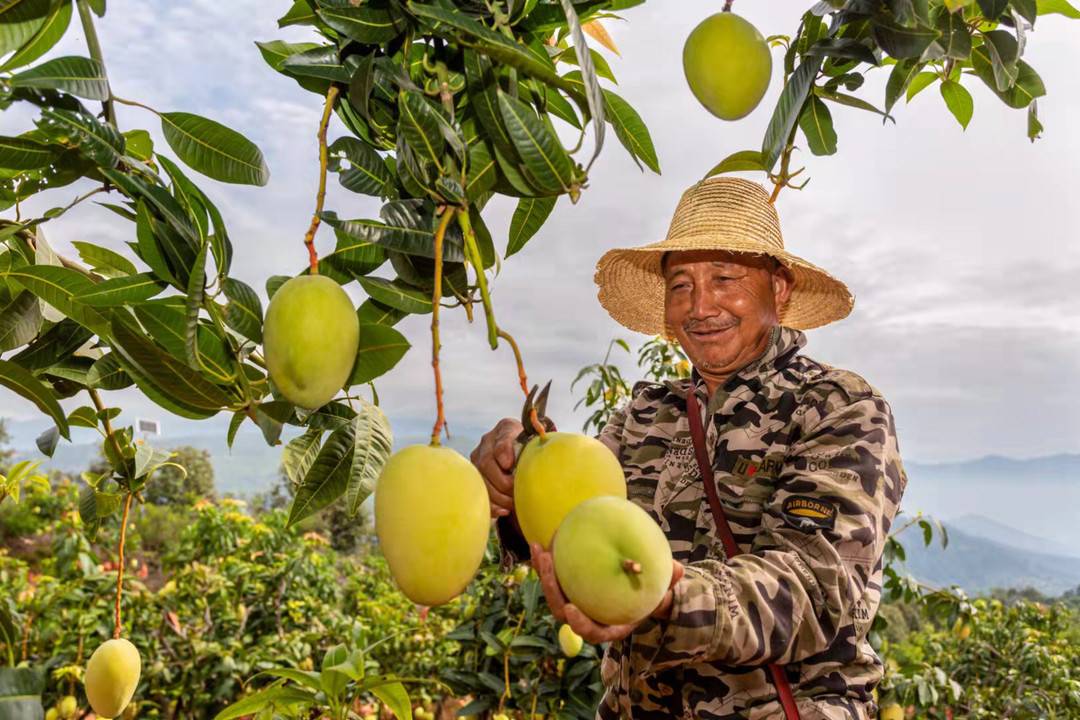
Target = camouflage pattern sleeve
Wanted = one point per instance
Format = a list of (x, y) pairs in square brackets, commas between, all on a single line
[(814, 571)]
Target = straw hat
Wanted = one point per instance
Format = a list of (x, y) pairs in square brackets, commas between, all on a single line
[(719, 213)]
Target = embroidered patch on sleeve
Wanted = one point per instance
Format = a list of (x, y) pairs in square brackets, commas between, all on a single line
[(808, 514)]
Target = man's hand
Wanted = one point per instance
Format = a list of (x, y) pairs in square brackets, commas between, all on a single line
[(565, 611), (494, 458)]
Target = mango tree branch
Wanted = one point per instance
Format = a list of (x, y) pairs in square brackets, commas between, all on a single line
[(118, 625), (95, 52), (436, 297), (320, 197), (476, 261)]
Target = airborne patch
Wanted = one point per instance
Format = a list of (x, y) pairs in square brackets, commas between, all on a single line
[(808, 514)]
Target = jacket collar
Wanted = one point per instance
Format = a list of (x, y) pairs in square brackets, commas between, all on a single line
[(784, 343)]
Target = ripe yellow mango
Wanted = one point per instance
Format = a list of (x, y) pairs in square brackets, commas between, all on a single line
[(893, 711), (557, 472), (310, 335), (112, 675), (612, 560), (569, 641), (67, 706), (727, 64), (432, 518)]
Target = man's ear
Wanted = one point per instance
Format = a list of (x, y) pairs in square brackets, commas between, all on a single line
[(783, 282)]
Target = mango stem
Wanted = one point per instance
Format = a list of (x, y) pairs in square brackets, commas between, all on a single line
[(631, 566), (320, 197), (436, 296)]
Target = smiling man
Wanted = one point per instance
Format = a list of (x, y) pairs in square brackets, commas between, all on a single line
[(774, 476)]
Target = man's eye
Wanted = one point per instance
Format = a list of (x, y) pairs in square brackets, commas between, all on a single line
[(679, 286)]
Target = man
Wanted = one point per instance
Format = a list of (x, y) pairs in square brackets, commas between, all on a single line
[(805, 462)]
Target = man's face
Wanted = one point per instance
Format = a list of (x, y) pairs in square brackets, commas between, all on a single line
[(722, 305)]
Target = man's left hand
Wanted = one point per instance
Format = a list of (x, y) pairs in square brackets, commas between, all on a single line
[(565, 611)]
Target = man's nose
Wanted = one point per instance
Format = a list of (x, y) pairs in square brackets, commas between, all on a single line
[(701, 305)]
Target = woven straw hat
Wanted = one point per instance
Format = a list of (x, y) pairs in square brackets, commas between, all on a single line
[(719, 213)]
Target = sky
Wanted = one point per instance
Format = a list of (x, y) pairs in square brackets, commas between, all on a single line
[(959, 246)]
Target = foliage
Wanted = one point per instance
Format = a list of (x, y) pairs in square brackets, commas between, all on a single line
[(508, 656), (191, 478)]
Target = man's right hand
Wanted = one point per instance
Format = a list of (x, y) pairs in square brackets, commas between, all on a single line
[(494, 457)]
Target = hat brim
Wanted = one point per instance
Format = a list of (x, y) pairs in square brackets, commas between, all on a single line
[(631, 284)]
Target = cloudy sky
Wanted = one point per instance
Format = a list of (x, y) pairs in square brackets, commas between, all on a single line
[(961, 247)]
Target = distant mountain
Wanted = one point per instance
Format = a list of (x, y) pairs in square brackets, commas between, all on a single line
[(983, 527), (978, 565)]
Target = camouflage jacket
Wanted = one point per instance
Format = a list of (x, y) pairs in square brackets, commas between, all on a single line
[(809, 473)]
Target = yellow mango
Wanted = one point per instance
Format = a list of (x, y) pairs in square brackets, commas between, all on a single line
[(112, 674)]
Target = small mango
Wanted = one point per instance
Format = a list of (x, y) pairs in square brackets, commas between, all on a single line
[(569, 641), (112, 674)]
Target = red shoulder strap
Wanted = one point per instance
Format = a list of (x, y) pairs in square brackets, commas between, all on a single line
[(701, 452)]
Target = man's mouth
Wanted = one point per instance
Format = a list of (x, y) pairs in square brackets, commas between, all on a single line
[(710, 334)]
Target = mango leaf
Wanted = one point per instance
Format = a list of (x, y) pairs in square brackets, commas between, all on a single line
[(275, 52), (101, 142), (58, 287), (959, 101), (53, 346), (107, 374), (396, 699), (396, 294), (482, 85), (364, 23), (543, 155), (21, 382), (103, 260), (367, 172), (741, 161), (851, 101), (45, 39), (1034, 127), (20, 21), (373, 446), (788, 109), (1027, 87), (920, 82), (374, 312), (529, 217), (244, 311), (275, 696), (631, 130), (817, 125), (321, 62), (299, 454), (903, 42), (196, 291), (992, 9), (845, 48), (213, 149), (20, 320), (197, 201), (84, 416), (301, 13), (47, 441), (1002, 49), (121, 291), (25, 154), (79, 76), (381, 347), (1059, 7), (419, 126), (166, 321), (593, 94), (955, 40)]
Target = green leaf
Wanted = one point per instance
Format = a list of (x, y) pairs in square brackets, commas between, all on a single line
[(214, 150), (196, 291), (21, 382), (373, 445), (319, 62), (46, 37), (955, 40), (46, 442), (741, 161), (99, 141), (903, 42), (788, 109), (1027, 9), (374, 312), (396, 699), (1027, 87), (631, 130), (166, 372), (53, 346), (76, 75), (275, 52), (959, 101), (817, 125), (367, 172), (1059, 7), (920, 82), (364, 23), (299, 454), (992, 9), (481, 83), (418, 124), (244, 312), (1002, 49), (103, 260), (1034, 128), (846, 48), (20, 320), (543, 155), (121, 291), (381, 347), (851, 101), (166, 321), (58, 287), (275, 696), (84, 416), (529, 217), (20, 20), (593, 94), (301, 13), (25, 154), (107, 374), (396, 294)]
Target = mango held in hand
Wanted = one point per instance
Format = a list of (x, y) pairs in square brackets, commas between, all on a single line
[(612, 560), (569, 641), (554, 474), (432, 517), (728, 65), (111, 677), (311, 335)]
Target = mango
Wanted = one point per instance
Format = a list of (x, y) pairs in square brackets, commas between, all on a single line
[(311, 335), (52, 714), (727, 64), (612, 560), (432, 519), (112, 675), (892, 711), (569, 641), (67, 706), (557, 472)]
